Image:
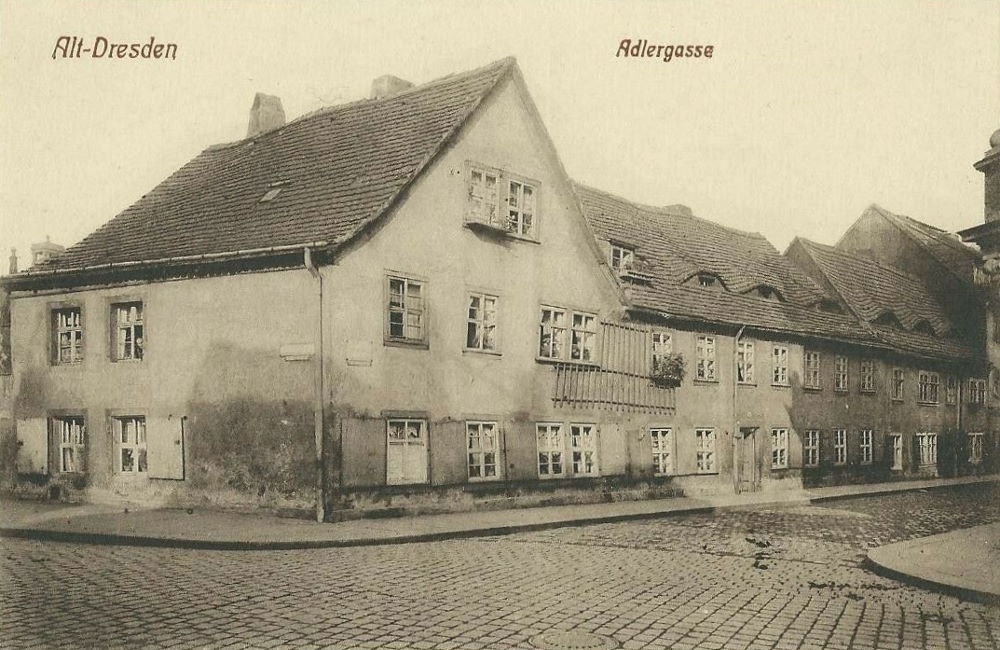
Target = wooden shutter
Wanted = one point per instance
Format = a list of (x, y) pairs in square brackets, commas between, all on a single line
[(165, 447), (32, 446)]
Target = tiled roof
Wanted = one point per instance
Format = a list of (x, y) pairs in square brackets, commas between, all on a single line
[(944, 247), (338, 169), (872, 289), (678, 246), (674, 246)]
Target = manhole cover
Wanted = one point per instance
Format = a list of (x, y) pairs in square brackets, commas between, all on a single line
[(573, 640)]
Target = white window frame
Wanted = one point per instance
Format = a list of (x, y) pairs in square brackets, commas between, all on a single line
[(811, 448), (661, 440), (867, 376), (130, 435), (583, 337), (841, 374), (406, 306), (129, 330), (622, 258), (867, 446), (551, 446), (840, 446), (976, 447), (927, 449), (779, 365), (482, 445), (977, 391), (68, 325), (950, 389), (928, 387), (662, 344), (812, 370), (71, 434), (502, 200), (572, 335), (779, 448), (706, 458), (705, 365), (422, 441), (583, 449), (745, 362), (898, 387), (481, 332)]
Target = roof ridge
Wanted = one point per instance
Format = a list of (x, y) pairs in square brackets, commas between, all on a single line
[(942, 235), (665, 211), (499, 64), (862, 258)]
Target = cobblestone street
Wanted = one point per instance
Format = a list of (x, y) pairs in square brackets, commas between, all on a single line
[(782, 578)]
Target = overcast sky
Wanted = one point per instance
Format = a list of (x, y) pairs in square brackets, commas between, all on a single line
[(807, 112)]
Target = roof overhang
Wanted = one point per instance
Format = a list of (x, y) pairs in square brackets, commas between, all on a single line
[(981, 233)]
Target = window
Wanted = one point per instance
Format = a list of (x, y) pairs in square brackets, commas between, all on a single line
[(840, 373), (72, 435), (927, 387), (584, 337), (779, 448), (812, 377), (950, 389), (897, 384), (583, 445), (406, 451), (977, 391), (622, 258), (405, 310), (662, 441), (705, 450), (779, 365), (927, 449), (662, 346), (128, 331), (488, 190), (483, 448), (481, 331), (866, 446), (897, 451), (812, 448), (130, 443), (705, 355), (975, 448), (705, 280), (840, 446), (550, 450), (552, 335), (745, 362), (68, 326), (867, 376)]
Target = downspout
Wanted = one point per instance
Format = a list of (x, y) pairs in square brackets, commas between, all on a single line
[(958, 417), (317, 382), (736, 417)]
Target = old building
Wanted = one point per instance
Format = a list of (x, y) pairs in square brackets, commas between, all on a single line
[(404, 303)]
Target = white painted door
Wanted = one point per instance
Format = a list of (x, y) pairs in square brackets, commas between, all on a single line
[(165, 447), (32, 446), (406, 452)]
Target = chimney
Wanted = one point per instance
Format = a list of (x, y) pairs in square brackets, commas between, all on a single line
[(13, 261), (387, 85), (990, 166), (266, 114)]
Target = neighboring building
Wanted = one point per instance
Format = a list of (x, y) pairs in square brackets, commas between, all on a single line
[(404, 304), (42, 252)]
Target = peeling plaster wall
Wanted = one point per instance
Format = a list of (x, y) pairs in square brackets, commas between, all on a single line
[(212, 357)]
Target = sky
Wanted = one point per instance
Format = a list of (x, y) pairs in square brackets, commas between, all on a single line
[(806, 113)]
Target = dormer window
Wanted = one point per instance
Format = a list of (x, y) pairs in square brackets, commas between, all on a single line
[(705, 280), (622, 258), (502, 202), (924, 327), (769, 293)]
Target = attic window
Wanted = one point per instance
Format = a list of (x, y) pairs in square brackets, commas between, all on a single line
[(707, 280), (888, 319), (829, 306), (622, 258), (769, 293), (924, 327), (273, 190)]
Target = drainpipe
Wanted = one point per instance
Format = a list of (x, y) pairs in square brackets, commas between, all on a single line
[(736, 417), (958, 417), (317, 382)]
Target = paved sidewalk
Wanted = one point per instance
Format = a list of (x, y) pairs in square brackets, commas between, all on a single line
[(210, 529), (964, 562)]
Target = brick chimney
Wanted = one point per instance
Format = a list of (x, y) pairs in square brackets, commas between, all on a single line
[(266, 114), (387, 85), (990, 166)]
